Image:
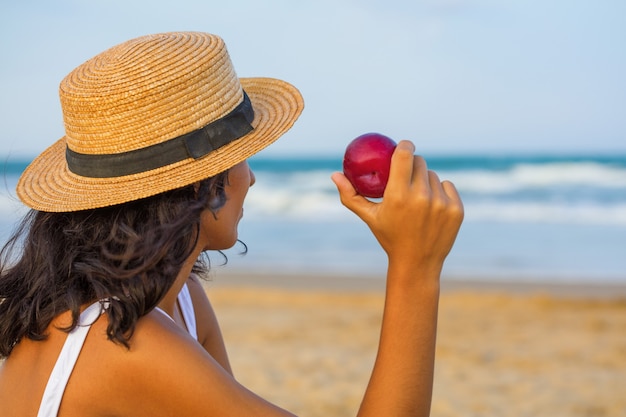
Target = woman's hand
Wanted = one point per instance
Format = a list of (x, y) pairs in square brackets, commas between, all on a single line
[(419, 216)]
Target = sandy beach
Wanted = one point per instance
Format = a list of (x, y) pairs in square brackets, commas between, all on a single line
[(308, 344)]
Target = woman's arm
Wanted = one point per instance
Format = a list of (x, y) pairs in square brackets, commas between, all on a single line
[(416, 224)]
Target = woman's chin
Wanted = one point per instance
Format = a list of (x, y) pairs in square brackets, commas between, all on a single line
[(223, 245)]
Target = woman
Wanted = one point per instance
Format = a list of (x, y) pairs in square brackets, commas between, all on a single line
[(152, 172)]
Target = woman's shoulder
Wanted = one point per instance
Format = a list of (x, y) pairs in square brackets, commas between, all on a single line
[(144, 373), (156, 336), (166, 372)]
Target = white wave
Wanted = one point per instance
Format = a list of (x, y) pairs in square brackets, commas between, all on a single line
[(522, 177), (312, 196), (537, 176), (309, 206), (547, 212), (273, 201)]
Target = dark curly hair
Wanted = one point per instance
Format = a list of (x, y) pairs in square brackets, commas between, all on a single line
[(129, 254)]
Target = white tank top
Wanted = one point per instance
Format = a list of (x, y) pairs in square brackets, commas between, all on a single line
[(51, 400), (186, 307)]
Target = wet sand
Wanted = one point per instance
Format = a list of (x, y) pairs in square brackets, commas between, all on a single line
[(521, 349)]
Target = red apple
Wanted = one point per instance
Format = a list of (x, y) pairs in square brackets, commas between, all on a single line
[(366, 163)]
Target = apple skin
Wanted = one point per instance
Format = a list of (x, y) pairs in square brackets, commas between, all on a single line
[(366, 163)]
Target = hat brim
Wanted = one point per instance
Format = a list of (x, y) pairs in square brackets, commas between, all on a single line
[(48, 185)]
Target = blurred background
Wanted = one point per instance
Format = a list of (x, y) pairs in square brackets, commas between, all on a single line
[(520, 103)]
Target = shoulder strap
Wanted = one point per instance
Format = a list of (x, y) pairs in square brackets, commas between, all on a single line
[(186, 307), (51, 400)]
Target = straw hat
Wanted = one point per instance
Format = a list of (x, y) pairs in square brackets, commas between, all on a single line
[(153, 114)]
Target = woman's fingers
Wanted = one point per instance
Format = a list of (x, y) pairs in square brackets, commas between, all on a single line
[(402, 169), (343, 184), (455, 200), (353, 201), (450, 190)]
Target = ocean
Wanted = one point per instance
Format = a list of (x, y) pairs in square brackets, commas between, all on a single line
[(554, 219)]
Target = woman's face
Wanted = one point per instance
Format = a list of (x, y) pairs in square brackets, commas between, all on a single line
[(220, 231)]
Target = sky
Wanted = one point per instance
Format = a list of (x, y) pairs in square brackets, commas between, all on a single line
[(453, 76)]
